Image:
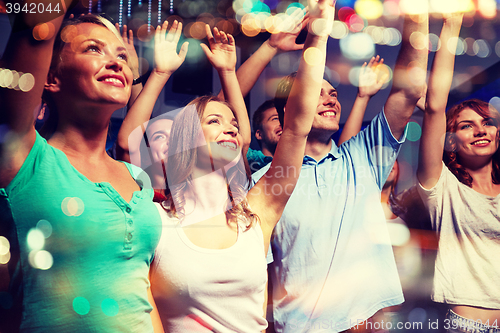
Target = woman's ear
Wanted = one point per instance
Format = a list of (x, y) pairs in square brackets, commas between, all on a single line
[(52, 83)]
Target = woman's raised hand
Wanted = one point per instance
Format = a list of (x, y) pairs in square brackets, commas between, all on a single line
[(321, 14), (370, 79), (222, 51), (128, 39), (167, 60)]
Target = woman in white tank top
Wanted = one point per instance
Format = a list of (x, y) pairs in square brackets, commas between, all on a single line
[(209, 272), (462, 195)]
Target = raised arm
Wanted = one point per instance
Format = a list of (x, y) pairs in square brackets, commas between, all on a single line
[(31, 59), (166, 62), (370, 82), (434, 123), (222, 55), (299, 114), (409, 73), (133, 62), (284, 41)]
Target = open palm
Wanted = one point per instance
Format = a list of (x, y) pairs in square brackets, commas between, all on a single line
[(167, 60)]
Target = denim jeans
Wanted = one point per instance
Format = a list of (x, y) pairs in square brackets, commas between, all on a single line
[(458, 324)]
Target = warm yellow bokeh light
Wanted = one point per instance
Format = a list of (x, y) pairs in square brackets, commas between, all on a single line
[(314, 57), (451, 6), (418, 40), (487, 8), (413, 7), (369, 9)]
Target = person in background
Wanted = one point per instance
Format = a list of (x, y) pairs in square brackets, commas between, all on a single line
[(137, 126), (267, 130)]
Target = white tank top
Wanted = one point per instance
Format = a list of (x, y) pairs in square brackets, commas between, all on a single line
[(209, 290)]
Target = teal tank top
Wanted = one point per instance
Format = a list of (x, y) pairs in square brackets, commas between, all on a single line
[(80, 254)]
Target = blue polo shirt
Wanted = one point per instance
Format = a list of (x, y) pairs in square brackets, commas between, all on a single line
[(333, 261)]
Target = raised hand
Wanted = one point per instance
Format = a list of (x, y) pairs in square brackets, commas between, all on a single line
[(289, 29), (167, 60), (370, 79), (321, 13), (133, 60), (222, 51)]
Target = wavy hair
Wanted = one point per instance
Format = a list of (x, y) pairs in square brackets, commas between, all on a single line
[(183, 155), (450, 156)]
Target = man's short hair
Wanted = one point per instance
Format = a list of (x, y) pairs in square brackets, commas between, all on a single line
[(258, 116), (283, 91)]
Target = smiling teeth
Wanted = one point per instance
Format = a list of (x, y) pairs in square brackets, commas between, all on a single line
[(112, 79), (480, 142), (329, 114), (227, 144)]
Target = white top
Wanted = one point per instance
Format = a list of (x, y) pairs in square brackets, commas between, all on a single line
[(467, 268), (209, 290)]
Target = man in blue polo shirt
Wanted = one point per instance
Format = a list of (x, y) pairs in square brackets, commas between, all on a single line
[(333, 264)]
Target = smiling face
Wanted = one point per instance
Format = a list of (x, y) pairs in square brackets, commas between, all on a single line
[(270, 129), (93, 68), (328, 110), (158, 134), (221, 144), (475, 136)]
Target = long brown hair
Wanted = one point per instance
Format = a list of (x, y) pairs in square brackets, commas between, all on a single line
[(182, 158), (450, 156)]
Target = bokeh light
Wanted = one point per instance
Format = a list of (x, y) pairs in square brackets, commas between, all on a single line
[(195, 30), (81, 305), (43, 31), (41, 259), (399, 234), (35, 239), (450, 6), (4, 250), (68, 33), (339, 30), (45, 227), (469, 42), (356, 23), (481, 48), (72, 206), (369, 9), (145, 33), (497, 51), (418, 40), (195, 52), (391, 37), (495, 102), (414, 131), (313, 56), (460, 48), (293, 7), (5, 77), (487, 8), (358, 46), (391, 10), (110, 307), (26, 82), (14, 83), (413, 7), (434, 42)]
